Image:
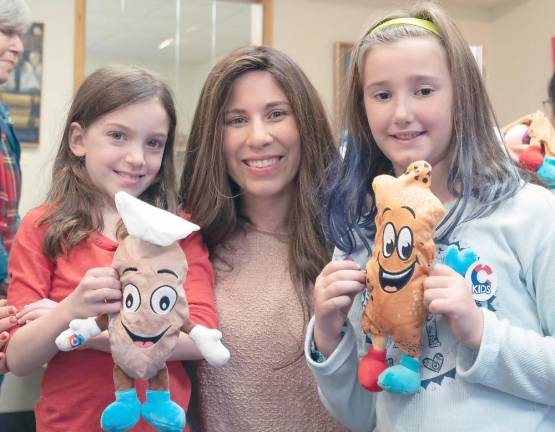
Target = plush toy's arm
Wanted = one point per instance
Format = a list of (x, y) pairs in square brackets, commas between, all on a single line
[(524, 120), (208, 342), (81, 330), (542, 134), (540, 130)]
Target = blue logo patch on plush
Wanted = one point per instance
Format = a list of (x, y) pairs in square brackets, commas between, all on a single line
[(459, 259)]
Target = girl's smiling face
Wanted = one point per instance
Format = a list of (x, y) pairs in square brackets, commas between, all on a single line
[(408, 98), (123, 149)]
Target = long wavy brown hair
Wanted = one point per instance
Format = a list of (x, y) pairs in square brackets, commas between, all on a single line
[(74, 201), (207, 192)]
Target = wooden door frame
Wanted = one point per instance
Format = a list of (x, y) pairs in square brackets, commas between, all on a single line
[(80, 36)]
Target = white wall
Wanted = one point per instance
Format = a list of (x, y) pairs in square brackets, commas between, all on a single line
[(520, 65), (308, 31), (308, 35), (194, 75)]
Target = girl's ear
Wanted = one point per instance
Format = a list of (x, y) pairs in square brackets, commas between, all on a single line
[(76, 139)]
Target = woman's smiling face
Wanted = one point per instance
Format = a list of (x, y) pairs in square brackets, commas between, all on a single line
[(262, 145)]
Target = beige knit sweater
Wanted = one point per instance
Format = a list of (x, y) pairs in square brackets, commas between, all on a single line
[(262, 325)]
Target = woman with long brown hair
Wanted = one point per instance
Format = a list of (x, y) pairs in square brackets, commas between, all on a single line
[(256, 156)]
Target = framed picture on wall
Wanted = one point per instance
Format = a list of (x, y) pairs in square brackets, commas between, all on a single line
[(22, 93), (342, 59)]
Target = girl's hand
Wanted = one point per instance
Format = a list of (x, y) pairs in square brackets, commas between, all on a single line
[(447, 293), (334, 291), (99, 292), (35, 310)]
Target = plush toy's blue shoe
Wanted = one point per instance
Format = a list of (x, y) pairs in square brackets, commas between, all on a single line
[(162, 413), (403, 378), (546, 172), (122, 414)]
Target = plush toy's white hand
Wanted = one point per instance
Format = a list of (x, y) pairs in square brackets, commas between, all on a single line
[(209, 344), (79, 331)]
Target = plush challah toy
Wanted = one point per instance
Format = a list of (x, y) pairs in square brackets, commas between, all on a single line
[(152, 268), (407, 213)]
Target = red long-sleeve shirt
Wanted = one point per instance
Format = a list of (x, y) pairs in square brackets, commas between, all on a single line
[(78, 385)]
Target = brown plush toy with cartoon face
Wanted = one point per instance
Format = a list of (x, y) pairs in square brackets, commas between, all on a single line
[(152, 269), (407, 213)]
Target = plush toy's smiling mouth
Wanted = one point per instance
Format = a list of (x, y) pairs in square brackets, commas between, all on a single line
[(394, 282), (143, 341)]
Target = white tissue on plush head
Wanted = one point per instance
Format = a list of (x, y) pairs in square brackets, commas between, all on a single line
[(150, 223)]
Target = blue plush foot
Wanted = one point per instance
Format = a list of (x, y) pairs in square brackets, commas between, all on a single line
[(122, 414), (403, 378), (546, 172), (162, 413)]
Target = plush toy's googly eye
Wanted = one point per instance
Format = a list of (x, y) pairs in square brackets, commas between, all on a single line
[(404, 243), (131, 298), (388, 240), (163, 299)]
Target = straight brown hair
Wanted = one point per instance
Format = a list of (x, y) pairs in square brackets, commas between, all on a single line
[(207, 192)]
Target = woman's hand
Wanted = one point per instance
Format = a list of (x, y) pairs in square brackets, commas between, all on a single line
[(447, 293), (7, 316), (4, 336), (334, 291), (7, 321), (35, 310), (99, 292)]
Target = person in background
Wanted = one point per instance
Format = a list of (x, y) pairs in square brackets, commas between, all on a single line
[(14, 19), (256, 155)]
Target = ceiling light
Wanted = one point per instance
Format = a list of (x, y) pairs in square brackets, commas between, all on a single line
[(166, 43)]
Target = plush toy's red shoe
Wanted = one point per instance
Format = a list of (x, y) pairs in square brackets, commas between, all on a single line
[(532, 158), (370, 368)]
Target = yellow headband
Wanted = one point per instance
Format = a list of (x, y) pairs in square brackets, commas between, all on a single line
[(425, 24)]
